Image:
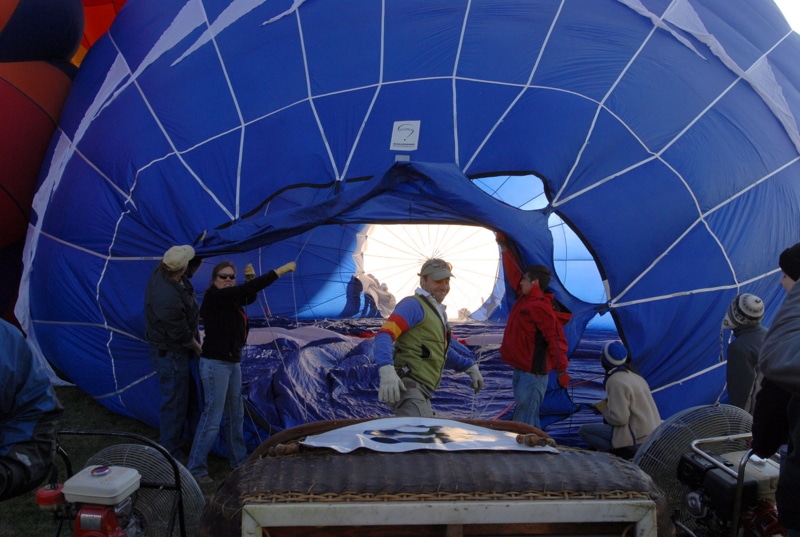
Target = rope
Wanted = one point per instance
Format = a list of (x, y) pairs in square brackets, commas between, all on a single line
[(502, 412), (723, 359), (264, 303)]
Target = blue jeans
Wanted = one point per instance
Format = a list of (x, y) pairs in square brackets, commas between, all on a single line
[(529, 390), (222, 389), (174, 378), (597, 435)]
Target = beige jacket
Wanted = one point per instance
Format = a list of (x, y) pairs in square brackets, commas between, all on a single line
[(631, 409)]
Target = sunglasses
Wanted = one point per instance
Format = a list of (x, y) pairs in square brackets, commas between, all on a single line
[(226, 276)]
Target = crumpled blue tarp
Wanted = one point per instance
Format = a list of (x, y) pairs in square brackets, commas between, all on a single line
[(293, 376)]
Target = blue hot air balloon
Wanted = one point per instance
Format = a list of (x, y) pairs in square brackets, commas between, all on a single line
[(662, 134)]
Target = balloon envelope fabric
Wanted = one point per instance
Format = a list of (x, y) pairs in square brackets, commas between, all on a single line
[(37, 40), (664, 134)]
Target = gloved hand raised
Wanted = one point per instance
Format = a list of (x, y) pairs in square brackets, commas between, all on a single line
[(288, 267), (476, 377), (249, 272), (391, 385), (564, 379)]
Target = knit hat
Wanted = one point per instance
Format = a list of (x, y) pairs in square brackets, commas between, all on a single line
[(438, 269), (745, 310), (790, 262), (178, 257), (614, 354)]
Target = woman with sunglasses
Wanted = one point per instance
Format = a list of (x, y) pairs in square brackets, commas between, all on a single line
[(226, 327)]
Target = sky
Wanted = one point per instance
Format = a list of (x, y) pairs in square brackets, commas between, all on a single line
[(791, 10)]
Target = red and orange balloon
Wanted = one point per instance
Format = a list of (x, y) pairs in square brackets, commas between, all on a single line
[(41, 42), (98, 16)]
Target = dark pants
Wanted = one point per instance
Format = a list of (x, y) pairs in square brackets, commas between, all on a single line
[(174, 380), (415, 401)]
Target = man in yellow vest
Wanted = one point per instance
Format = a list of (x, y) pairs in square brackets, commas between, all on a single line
[(415, 344)]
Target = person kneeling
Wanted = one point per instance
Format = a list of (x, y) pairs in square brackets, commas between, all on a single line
[(629, 411)]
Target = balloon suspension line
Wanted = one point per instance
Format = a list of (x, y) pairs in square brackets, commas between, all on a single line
[(722, 359), (503, 412), (296, 315), (254, 422), (473, 412), (265, 309), (294, 289), (578, 383), (265, 304), (495, 393)]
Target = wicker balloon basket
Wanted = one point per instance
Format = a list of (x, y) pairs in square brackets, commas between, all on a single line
[(432, 493)]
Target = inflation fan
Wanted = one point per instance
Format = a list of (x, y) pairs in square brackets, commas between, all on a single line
[(129, 490), (700, 460)]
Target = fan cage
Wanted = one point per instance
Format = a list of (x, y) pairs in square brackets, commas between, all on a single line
[(156, 506), (660, 454)]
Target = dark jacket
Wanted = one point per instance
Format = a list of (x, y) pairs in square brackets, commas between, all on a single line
[(776, 420), (742, 359), (171, 312), (224, 319), (770, 419), (776, 416), (29, 413)]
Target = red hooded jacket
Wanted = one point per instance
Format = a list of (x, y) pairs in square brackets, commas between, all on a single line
[(534, 339)]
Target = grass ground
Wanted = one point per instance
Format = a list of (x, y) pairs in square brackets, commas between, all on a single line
[(21, 517)]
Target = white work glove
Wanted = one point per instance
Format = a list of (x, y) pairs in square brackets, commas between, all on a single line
[(249, 272), (288, 267), (391, 385), (476, 377)]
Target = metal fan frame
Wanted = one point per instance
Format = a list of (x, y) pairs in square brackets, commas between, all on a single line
[(181, 484), (659, 455)]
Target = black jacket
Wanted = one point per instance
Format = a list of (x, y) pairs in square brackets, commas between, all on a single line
[(171, 312), (776, 420), (224, 318)]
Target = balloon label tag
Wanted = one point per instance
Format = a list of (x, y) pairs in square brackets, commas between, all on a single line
[(405, 136)]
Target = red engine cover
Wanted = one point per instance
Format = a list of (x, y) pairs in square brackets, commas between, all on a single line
[(97, 521)]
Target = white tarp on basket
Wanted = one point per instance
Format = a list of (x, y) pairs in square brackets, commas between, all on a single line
[(396, 435)]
